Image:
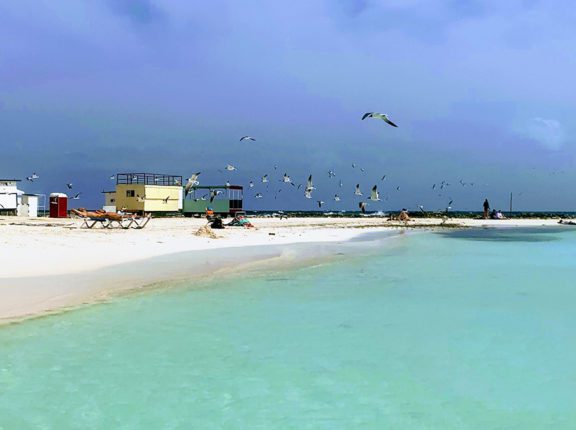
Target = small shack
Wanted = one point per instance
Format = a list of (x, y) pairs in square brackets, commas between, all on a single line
[(223, 199), (16, 202), (58, 205), (28, 205), (148, 192), (9, 194)]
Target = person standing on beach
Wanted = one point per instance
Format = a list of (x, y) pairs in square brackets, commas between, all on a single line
[(486, 208)]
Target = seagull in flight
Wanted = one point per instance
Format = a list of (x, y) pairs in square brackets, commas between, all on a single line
[(374, 195), (309, 185), (377, 115), (76, 197), (336, 198), (230, 167), (357, 192), (112, 177), (192, 181), (251, 184), (264, 179), (362, 206), (213, 194), (165, 201), (247, 138), (320, 203), (141, 198), (331, 173), (69, 185), (258, 195), (286, 178)]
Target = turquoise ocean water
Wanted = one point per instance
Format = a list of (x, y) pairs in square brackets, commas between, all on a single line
[(472, 329)]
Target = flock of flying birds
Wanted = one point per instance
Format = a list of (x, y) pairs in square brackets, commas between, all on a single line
[(308, 188), (69, 185)]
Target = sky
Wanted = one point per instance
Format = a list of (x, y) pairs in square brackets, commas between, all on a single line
[(482, 92)]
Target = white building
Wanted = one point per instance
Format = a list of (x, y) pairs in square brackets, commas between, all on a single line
[(28, 205), (9, 194), (16, 202)]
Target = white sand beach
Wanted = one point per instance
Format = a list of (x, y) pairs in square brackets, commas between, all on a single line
[(48, 264)]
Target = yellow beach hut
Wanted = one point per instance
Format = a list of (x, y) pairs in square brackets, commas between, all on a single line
[(148, 192)]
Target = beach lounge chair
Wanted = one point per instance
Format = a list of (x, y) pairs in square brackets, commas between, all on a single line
[(102, 222), (92, 222), (141, 222)]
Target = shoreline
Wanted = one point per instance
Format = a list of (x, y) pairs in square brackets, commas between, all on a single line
[(35, 297), (55, 266)]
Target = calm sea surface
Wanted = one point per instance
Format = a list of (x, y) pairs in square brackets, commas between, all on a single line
[(472, 329)]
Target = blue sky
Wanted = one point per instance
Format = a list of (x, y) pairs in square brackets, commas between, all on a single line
[(481, 90)]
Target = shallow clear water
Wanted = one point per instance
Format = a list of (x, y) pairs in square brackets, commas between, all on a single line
[(465, 330)]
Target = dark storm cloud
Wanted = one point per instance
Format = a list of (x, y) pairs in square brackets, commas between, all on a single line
[(479, 88)]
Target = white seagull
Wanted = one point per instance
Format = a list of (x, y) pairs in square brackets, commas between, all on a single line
[(286, 178), (264, 179), (69, 185), (247, 138), (192, 181), (362, 206), (309, 185), (76, 197), (251, 185), (374, 195), (230, 167), (336, 198), (213, 194), (377, 115), (357, 192), (258, 195)]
